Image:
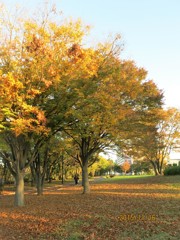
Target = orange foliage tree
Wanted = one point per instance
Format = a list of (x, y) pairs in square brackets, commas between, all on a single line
[(125, 166)]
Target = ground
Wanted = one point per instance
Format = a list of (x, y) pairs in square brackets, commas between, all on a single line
[(125, 208)]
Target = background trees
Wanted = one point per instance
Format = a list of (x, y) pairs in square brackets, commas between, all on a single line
[(157, 142)]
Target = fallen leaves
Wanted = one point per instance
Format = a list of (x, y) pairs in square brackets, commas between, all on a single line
[(64, 213)]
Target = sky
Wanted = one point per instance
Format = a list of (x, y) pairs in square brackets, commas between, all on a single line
[(150, 31)]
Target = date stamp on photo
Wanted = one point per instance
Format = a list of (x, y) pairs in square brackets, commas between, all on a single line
[(137, 217)]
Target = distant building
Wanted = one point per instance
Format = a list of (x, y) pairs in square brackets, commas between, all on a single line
[(172, 162), (124, 158)]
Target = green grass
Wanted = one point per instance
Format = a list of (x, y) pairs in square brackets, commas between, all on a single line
[(127, 177)]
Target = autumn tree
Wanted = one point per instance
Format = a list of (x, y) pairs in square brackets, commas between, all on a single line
[(125, 167), (109, 106), (34, 59), (160, 141)]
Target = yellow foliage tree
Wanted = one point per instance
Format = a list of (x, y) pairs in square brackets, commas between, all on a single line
[(36, 57)]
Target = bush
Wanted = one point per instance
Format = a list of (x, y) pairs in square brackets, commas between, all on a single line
[(111, 175), (174, 170)]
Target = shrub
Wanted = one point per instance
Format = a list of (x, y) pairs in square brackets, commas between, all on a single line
[(173, 170), (111, 175)]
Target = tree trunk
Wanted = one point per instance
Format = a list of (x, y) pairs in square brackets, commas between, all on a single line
[(161, 167), (48, 172), (62, 171), (155, 168), (39, 185), (40, 174), (82, 177), (19, 194), (5, 171), (85, 180), (33, 176)]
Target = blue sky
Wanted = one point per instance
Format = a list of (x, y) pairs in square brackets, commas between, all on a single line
[(150, 31)]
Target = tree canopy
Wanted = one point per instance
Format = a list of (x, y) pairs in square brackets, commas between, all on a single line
[(52, 83)]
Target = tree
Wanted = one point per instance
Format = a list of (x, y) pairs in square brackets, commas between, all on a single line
[(101, 166), (17, 161), (117, 168), (58, 159), (157, 142), (109, 107), (139, 166), (34, 59), (165, 140), (125, 167), (39, 165)]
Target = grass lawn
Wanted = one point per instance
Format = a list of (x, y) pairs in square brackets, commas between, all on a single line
[(119, 208)]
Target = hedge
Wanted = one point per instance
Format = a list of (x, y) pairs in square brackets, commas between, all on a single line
[(173, 170)]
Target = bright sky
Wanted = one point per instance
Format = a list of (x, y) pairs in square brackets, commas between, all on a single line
[(150, 30)]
